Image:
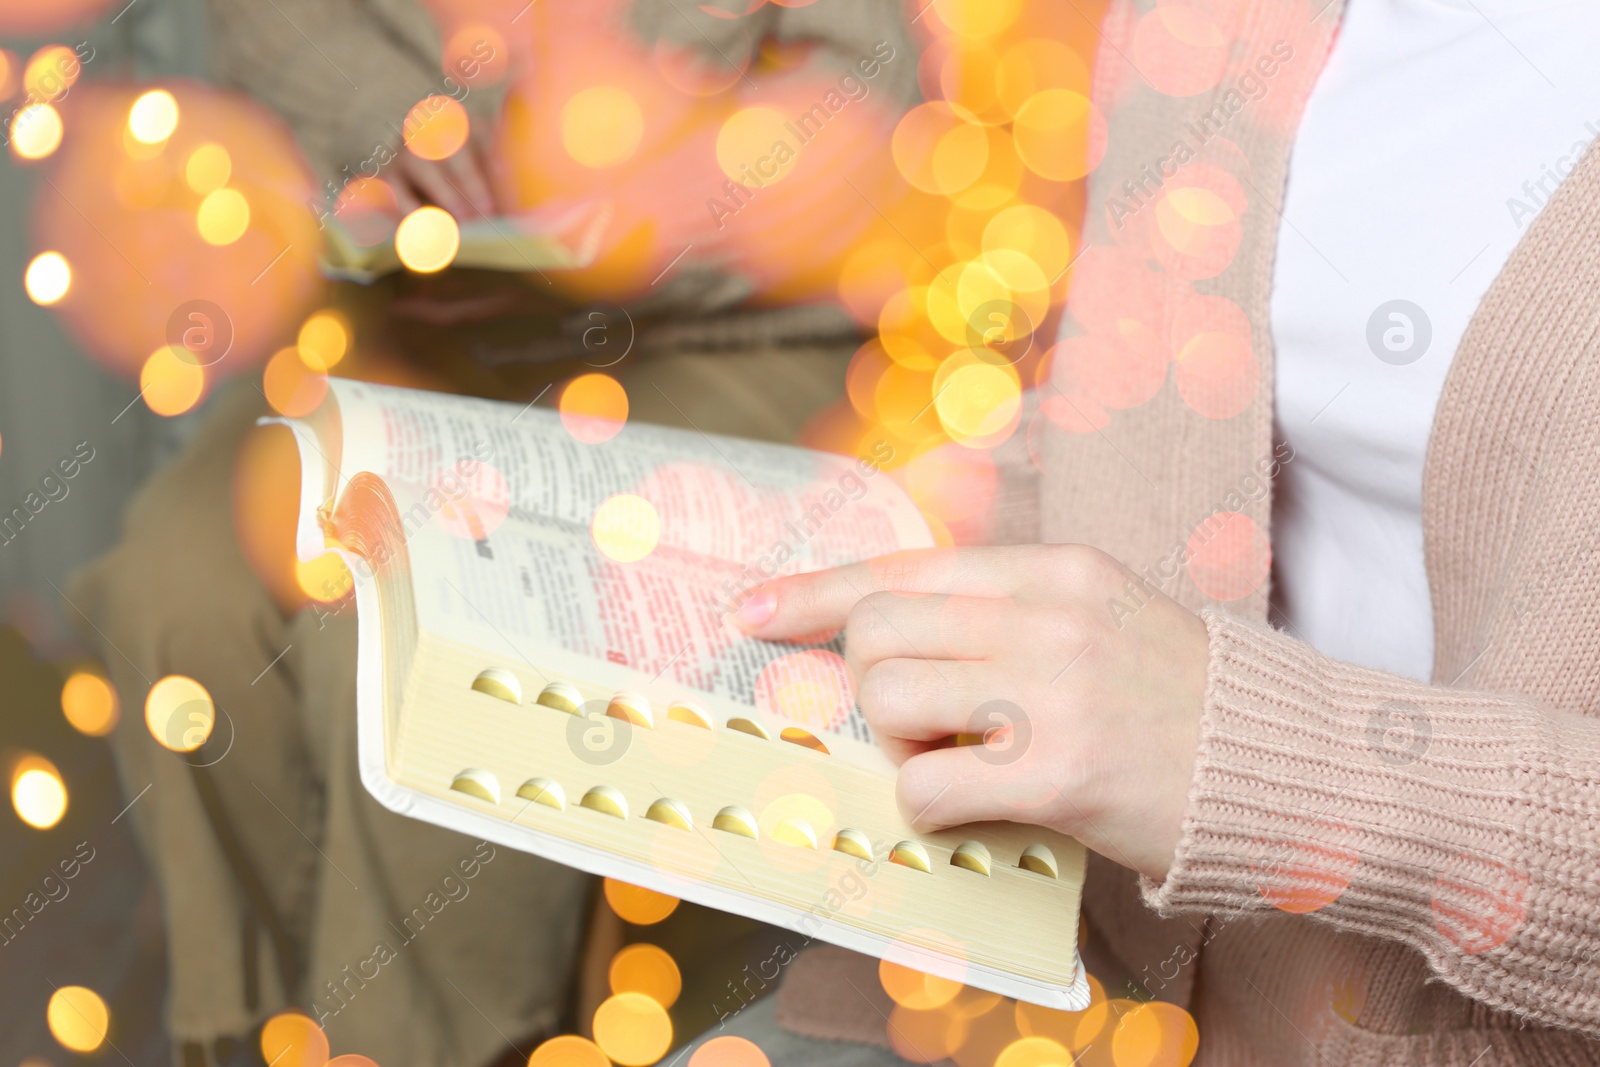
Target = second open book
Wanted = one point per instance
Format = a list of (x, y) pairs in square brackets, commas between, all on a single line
[(546, 661)]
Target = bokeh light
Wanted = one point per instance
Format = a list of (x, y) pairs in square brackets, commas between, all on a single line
[(729, 1051), (292, 1039), (951, 484), (937, 150), (208, 169), (811, 688), (1034, 65), (632, 1029), (427, 240), (266, 509), (36, 131), (626, 527), (915, 990), (638, 905), (128, 220), (1309, 868), (170, 383), (25, 18), (814, 197), (1179, 49), (927, 1036), (793, 829), (1229, 556), (568, 1050), (1479, 902), (1074, 1030), (1000, 180), (602, 126), (1195, 226), (1034, 1052), (78, 1018), (745, 146), (90, 704), (326, 579), (872, 272), (594, 407), (967, 79), (1032, 231), (38, 794), (1217, 374), (978, 400), (476, 53), (1155, 1034), (691, 70), (223, 217), (976, 19), (368, 210), (153, 117), (990, 1027), (324, 339), (436, 128), (50, 73), (1060, 134), (648, 969), (292, 388), (179, 713), (1112, 372), (48, 278)]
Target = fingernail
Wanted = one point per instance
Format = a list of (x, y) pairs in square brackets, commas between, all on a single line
[(758, 610)]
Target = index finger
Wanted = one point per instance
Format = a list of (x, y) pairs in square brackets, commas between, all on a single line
[(469, 180), (430, 183), (801, 604)]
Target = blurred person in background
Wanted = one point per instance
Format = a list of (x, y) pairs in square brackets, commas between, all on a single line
[(283, 883)]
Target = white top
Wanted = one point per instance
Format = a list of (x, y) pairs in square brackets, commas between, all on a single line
[(1434, 135)]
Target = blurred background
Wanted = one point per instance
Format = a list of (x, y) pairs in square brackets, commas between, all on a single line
[(837, 223), (53, 396)]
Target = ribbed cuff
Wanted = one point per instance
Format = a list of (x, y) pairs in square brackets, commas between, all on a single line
[(1458, 822), (1317, 782)]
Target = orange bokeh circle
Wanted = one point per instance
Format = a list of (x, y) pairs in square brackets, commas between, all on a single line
[(1228, 556)]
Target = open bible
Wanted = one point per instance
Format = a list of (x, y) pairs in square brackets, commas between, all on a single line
[(546, 660), (562, 237)]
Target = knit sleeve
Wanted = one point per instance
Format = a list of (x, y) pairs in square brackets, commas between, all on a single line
[(1464, 824), (338, 72), (1012, 514)]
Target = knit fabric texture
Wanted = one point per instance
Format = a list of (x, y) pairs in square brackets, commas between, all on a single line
[(1372, 870)]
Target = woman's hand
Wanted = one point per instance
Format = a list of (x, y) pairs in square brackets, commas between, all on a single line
[(1089, 716)]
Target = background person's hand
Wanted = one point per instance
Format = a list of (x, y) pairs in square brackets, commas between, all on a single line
[(461, 183), (1090, 728)]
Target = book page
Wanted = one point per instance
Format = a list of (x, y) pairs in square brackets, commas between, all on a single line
[(540, 593), (768, 506), (496, 505), (557, 237)]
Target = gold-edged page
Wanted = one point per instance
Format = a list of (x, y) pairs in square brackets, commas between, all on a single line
[(318, 440)]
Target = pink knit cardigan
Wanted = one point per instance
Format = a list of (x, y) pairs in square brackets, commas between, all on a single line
[(1372, 870)]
